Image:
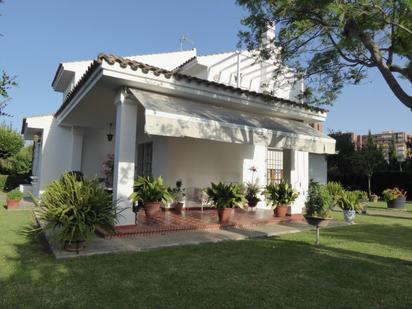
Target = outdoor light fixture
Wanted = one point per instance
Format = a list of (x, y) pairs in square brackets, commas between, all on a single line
[(110, 134)]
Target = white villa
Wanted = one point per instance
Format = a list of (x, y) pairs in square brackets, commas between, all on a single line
[(182, 116)]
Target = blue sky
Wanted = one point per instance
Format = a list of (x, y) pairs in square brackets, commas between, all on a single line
[(37, 35)]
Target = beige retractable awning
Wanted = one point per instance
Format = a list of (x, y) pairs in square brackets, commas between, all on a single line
[(173, 116)]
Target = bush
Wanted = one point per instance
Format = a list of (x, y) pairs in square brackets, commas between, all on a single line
[(19, 163), (73, 208), (10, 182), (225, 195), (10, 141), (319, 201), (335, 190), (15, 195), (149, 189)]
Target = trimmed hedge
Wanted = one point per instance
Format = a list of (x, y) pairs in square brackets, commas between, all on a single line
[(10, 182)]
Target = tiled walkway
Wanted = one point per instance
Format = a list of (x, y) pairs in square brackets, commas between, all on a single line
[(189, 220)]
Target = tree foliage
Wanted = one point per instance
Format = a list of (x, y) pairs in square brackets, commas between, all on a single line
[(335, 42), (10, 142), (19, 163)]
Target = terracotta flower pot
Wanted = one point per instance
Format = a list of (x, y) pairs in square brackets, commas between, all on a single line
[(178, 207), (151, 209), (224, 215), (281, 211), (13, 204)]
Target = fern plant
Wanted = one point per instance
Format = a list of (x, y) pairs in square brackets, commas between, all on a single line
[(149, 189), (74, 207), (223, 195)]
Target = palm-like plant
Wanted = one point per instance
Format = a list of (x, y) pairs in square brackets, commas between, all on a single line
[(280, 194), (223, 195), (149, 189), (251, 193), (75, 207), (335, 190)]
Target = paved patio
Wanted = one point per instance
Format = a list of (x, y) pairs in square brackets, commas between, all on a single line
[(190, 220)]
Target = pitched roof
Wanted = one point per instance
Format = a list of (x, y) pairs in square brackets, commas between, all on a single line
[(145, 68)]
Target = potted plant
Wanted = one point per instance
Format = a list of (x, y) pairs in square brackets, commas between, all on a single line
[(318, 207), (280, 196), (251, 194), (225, 197), (152, 192), (363, 200), (72, 208), (373, 198), (178, 194), (394, 197), (349, 203), (13, 199)]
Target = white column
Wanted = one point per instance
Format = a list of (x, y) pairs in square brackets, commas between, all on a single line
[(297, 174), (124, 155), (77, 148)]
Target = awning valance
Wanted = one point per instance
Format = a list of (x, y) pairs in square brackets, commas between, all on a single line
[(173, 116)]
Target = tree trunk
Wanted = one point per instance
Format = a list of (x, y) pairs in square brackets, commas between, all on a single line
[(369, 185)]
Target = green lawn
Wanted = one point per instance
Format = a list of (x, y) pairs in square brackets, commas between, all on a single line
[(382, 205), (368, 265)]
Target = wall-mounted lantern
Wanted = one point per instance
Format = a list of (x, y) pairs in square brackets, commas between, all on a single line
[(110, 134)]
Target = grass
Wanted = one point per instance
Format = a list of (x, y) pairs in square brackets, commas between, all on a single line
[(367, 265)]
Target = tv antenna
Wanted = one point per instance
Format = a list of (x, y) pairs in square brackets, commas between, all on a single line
[(185, 39)]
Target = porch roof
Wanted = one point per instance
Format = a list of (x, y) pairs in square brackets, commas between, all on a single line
[(173, 116)]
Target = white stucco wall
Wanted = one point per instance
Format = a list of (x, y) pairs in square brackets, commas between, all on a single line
[(318, 168), (96, 149), (56, 152)]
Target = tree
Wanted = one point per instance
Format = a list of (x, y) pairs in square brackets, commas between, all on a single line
[(369, 159), (334, 42), (10, 142), (340, 165), (19, 163)]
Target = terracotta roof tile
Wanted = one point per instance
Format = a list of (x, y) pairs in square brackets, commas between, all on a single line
[(145, 68)]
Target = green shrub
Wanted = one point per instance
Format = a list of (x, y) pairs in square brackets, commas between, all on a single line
[(280, 194), (223, 195), (73, 208), (10, 182), (15, 195), (319, 201), (10, 141), (149, 189), (19, 163), (335, 190)]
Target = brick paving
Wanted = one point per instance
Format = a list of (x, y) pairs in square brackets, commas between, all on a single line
[(189, 220)]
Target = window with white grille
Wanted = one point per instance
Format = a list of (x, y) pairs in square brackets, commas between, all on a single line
[(144, 159), (274, 166)]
